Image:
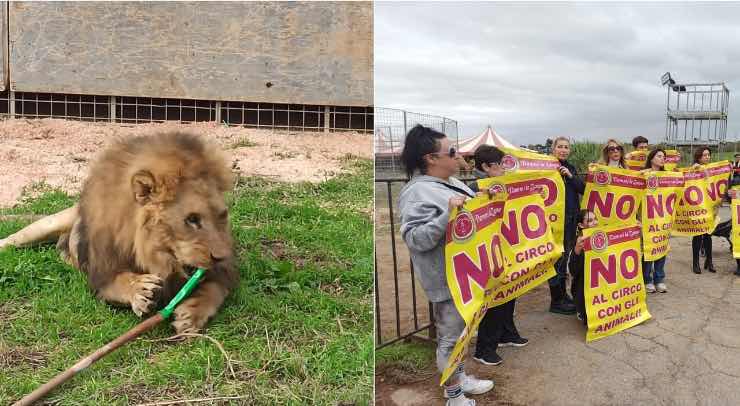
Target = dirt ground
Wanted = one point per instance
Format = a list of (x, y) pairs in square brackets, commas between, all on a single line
[(57, 152), (687, 354)]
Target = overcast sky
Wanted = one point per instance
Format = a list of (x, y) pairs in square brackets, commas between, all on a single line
[(539, 70)]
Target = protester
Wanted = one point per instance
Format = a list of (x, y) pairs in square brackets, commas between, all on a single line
[(497, 327), (735, 175), (425, 204), (574, 187), (613, 154), (576, 262), (653, 271), (702, 156), (640, 143)]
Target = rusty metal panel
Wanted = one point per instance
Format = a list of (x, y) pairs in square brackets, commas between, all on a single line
[(275, 52)]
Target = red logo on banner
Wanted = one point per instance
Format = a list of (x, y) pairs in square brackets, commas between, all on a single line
[(463, 227), (652, 182), (498, 188), (599, 241), (602, 177), (509, 163)]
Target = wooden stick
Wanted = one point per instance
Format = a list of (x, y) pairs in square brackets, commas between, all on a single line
[(41, 391)]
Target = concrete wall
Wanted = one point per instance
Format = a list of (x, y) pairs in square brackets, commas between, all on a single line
[(309, 53), (4, 46)]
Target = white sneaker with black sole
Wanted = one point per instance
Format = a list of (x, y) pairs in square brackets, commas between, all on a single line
[(474, 386)]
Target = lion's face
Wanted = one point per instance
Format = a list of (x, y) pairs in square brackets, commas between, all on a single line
[(199, 222), (194, 227)]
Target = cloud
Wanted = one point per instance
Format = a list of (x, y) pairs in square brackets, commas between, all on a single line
[(539, 70)]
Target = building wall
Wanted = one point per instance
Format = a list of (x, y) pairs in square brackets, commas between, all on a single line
[(4, 45), (298, 53)]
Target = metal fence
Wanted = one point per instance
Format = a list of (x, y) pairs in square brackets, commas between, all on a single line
[(123, 109), (391, 126), (400, 310)]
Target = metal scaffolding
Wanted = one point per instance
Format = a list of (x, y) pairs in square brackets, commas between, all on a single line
[(696, 113)]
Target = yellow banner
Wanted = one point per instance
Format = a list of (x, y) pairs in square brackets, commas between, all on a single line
[(661, 195), (518, 160), (613, 194), (473, 253), (495, 249), (697, 210), (635, 160), (672, 158), (546, 167), (735, 196), (614, 289)]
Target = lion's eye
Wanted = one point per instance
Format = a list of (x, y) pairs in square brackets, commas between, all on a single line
[(193, 220)]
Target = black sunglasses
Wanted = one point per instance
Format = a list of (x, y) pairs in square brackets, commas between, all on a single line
[(617, 148)]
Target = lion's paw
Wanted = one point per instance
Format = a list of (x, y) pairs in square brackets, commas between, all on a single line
[(189, 318), (146, 290)]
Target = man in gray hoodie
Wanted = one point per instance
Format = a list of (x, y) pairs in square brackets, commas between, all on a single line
[(425, 204)]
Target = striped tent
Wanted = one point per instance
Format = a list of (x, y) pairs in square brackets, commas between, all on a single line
[(488, 137)]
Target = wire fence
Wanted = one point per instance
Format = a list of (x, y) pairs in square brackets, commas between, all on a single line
[(134, 110), (391, 126)]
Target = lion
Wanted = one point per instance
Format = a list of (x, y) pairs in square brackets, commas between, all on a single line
[(151, 211)]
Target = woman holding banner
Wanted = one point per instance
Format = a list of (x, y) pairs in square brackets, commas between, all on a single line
[(613, 154), (425, 204), (574, 187), (497, 327), (702, 156), (654, 271)]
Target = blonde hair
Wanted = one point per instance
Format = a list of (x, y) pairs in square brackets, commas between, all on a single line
[(604, 160), (555, 143)]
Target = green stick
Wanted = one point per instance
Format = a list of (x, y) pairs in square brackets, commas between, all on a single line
[(136, 331)]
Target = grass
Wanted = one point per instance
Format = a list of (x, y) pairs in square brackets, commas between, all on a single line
[(403, 362), (583, 153), (298, 328), (243, 143)]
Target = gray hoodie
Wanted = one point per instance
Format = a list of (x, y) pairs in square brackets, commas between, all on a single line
[(424, 209)]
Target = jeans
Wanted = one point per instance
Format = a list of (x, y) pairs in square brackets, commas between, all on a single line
[(654, 272), (449, 325)]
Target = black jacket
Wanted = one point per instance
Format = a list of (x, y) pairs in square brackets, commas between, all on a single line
[(574, 188), (576, 265), (478, 175)]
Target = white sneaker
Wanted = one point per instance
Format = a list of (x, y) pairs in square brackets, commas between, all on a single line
[(650, 288), (662, 288), (474, 386), (460, 401)]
